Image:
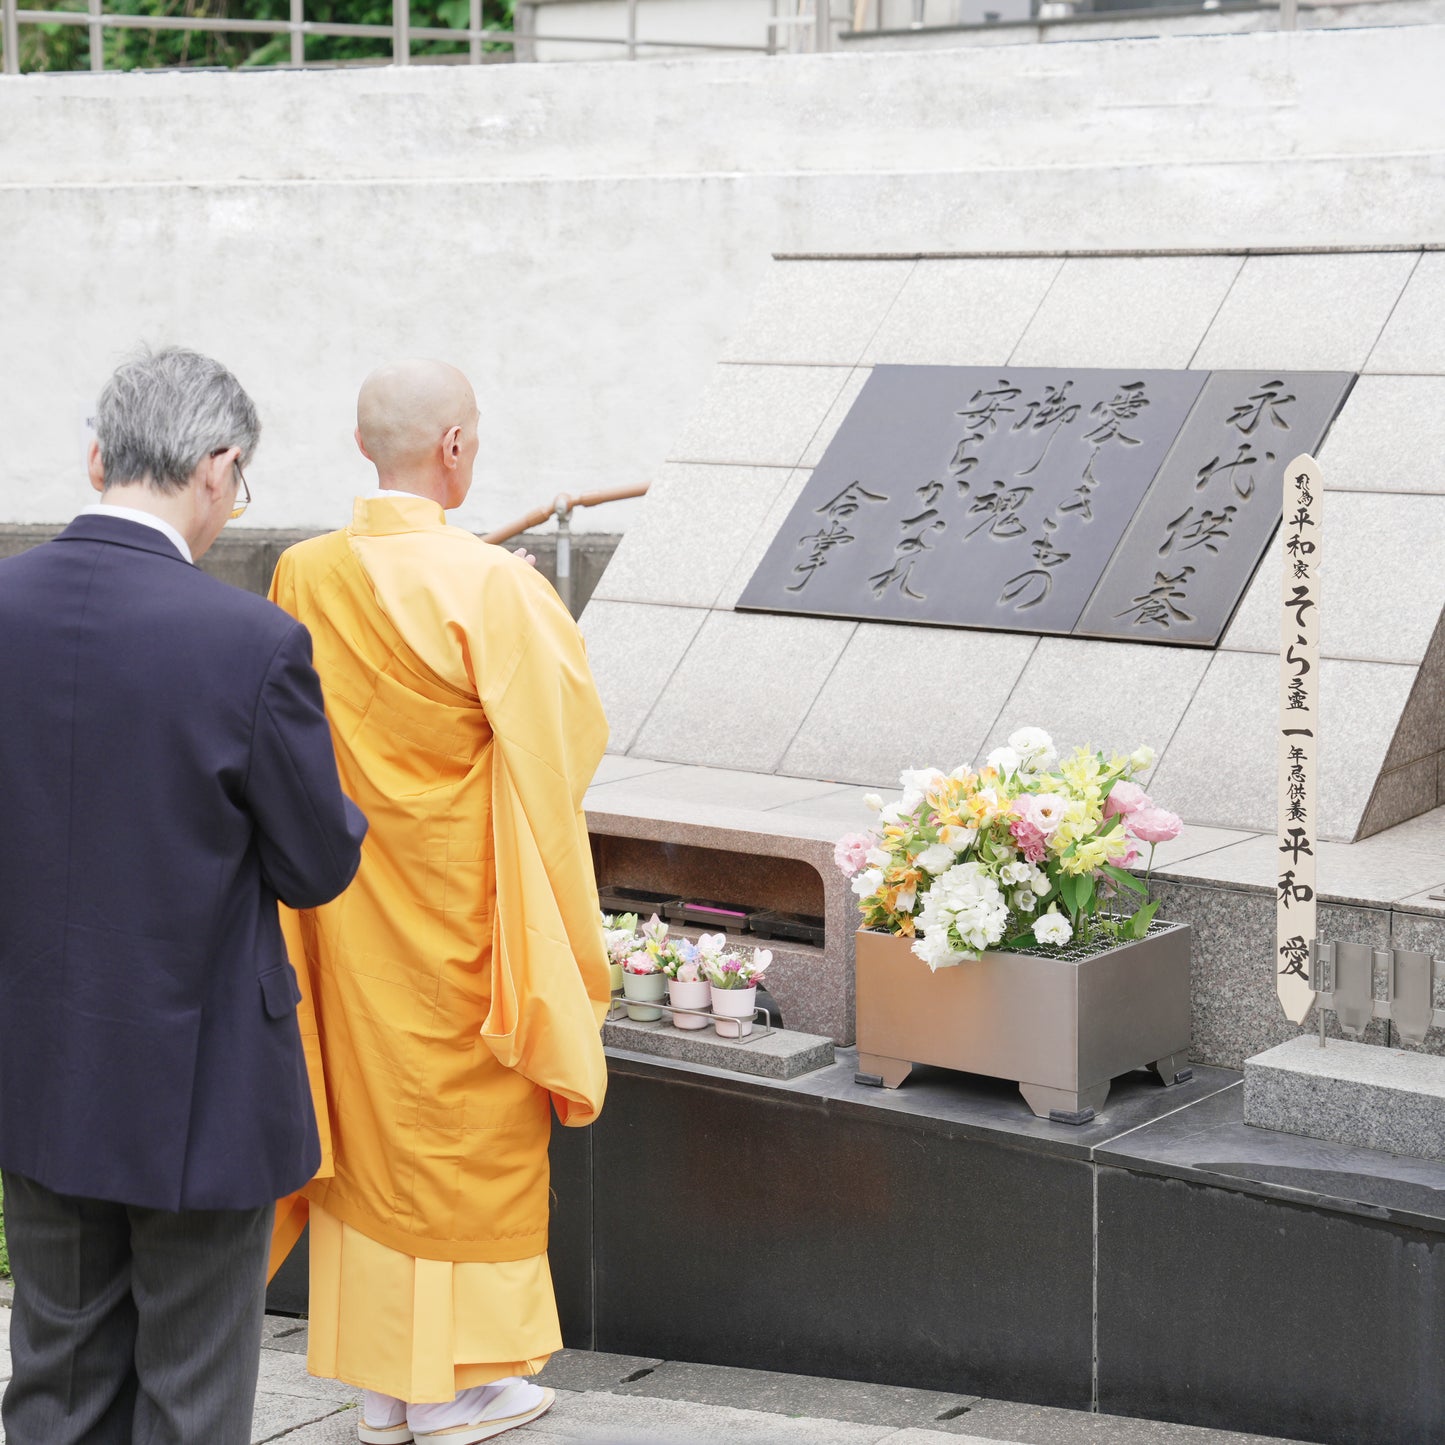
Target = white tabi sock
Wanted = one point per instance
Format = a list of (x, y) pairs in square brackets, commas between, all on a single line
[(474, 1406), (384, 1412)]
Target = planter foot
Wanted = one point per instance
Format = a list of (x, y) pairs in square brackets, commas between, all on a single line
[(1173, 1069), (1062, 1106), (881, 1072)]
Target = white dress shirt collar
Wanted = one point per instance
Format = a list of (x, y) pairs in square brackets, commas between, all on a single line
[(384, 492), (146, 519)]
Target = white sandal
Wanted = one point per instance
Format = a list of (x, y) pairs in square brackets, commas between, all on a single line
[(384, 1434)]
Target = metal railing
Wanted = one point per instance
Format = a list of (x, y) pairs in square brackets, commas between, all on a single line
[(788, 20), (562, 507)]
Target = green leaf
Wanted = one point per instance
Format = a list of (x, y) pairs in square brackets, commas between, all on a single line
[(1069, 891), (1127, 879), (1138, 925)]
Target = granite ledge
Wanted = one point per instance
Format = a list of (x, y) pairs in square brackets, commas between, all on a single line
[(783, 1054), (1351, 1093)]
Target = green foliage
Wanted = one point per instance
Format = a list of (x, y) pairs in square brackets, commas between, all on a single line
[(67, 47)]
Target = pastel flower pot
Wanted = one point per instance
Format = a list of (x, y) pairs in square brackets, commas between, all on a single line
[(645, 988), (614, 976), (697, 994), (733, 1011)]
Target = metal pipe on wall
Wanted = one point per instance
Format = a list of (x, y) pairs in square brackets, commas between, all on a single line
[(10, 33), (401, 32), (97, 36)]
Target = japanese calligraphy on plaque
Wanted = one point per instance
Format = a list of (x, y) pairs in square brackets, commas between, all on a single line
[(1103, 503), (1299, 701)]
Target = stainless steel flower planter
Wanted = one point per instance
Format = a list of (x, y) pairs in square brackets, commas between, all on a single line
[(1061, 1027)]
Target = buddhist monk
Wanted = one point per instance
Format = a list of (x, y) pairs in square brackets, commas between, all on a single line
[(454, 993)]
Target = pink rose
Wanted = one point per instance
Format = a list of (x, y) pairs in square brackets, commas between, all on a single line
[(1126, 798), (1030, 840), (1128, 858), (851, 851), (1155, 825)]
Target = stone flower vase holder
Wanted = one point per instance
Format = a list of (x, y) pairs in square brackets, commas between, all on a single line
[(640, 989), (1062, 1024), (692, 999), (733, 1010)]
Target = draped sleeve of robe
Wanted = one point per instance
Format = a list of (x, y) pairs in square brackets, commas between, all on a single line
[(458, 987)]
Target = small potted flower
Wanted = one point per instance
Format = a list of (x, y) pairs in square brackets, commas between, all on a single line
[(687, 985), (643, 981), (620, 933), (733, 977)]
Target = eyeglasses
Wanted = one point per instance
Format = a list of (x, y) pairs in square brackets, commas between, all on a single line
[(243, 492)]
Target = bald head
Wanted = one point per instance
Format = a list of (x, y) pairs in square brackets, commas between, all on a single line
[(417, 423)]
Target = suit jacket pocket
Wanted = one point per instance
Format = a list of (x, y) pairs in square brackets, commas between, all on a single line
[(279, 991)]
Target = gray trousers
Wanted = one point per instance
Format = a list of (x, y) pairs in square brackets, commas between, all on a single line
[(132, 1326)]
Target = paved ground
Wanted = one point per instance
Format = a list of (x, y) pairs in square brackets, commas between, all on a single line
[(622, 1400)]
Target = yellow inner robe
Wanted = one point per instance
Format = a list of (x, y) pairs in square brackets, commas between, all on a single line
[(453, 994)]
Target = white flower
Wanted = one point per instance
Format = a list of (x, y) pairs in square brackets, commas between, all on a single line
[(1019, 872), (1039, 882), (1142, 759), (1024, 900), (870, 880), (963, 914), (1031, 742), (878, 858), (873, 802), (936, 858), (907, 897), (1004, 760), (933, 949), (905, 807), (919, 780), (1036, 748), (957, 838), (1053, 928)]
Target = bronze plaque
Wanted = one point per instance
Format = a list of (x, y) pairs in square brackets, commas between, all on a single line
[(1028, 499)]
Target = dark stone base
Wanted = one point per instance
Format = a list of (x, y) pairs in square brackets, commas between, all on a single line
[(939, 1236), (1162, 1261)]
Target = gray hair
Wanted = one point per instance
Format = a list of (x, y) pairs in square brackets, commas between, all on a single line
[(164, 413)]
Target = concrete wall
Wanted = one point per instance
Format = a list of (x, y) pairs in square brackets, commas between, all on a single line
[(246, 557), (582, 238)]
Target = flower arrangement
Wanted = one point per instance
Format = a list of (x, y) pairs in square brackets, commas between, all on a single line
[(645, 947), (619, 931), (1028, 851), (648, 948), (730, 968)]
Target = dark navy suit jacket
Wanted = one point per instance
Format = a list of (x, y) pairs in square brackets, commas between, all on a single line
[(166, 774)]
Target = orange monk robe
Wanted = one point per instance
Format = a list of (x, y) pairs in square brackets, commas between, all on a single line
[(454, 993)]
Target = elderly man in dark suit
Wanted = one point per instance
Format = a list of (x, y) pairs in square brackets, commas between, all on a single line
[(166, 775)]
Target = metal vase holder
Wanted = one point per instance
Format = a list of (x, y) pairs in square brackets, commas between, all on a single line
[(618, 1013), (1342, 976)]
